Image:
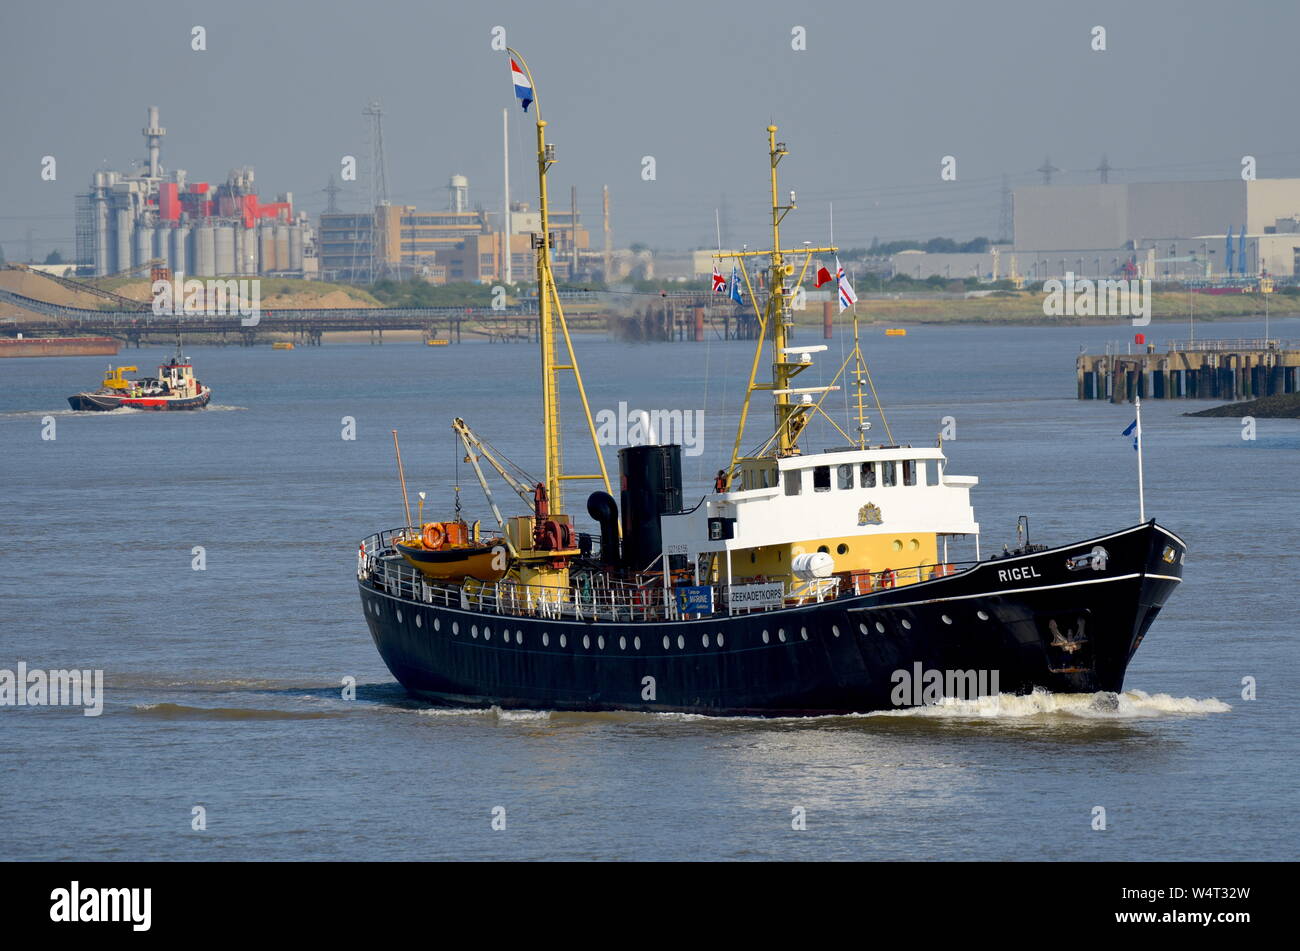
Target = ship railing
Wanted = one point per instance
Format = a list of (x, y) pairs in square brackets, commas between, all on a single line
[(1212, 345), (592, 596)]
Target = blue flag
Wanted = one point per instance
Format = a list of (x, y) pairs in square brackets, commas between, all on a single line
[(735, 294), (1132, 431)]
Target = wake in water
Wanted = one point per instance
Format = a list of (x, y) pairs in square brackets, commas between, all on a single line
[(1130, 705), (79, 413), (180, 711), (119, 413), (507, 715)]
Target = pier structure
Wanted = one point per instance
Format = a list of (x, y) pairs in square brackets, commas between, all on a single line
[(1191, 369)]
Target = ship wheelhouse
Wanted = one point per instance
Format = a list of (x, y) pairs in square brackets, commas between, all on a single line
[(869, 510)]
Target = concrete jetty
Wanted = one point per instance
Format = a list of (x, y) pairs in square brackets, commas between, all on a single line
[(1191, 369)]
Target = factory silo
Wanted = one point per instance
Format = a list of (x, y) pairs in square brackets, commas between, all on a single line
[(180, 258), (282, 247), (123, 227), (225, 251), (102, 244), (295, 248), (266, 248), (205, 251), (143, 244), (250, 257), (161, 243)]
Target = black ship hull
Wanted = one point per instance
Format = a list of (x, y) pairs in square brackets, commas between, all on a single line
[(1066, 619), (104, 402)]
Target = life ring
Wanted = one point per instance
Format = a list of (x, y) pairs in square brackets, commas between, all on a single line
[(433, 536), (887, 578)]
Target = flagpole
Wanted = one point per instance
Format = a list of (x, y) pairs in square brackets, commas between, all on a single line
[(1142, 506)]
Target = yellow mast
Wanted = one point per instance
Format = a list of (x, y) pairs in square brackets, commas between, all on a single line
[(789, 415), (550, 320)]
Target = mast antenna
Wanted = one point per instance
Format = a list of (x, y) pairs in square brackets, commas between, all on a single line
[(552, 327)]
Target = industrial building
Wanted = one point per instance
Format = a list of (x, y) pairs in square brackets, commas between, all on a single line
[(1193, 232), (456, 244), (1167, 230), (130, 220)]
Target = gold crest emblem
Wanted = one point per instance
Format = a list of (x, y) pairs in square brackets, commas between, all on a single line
[(869, 514)]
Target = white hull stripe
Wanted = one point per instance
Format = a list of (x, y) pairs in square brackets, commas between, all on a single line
[(996, 594)]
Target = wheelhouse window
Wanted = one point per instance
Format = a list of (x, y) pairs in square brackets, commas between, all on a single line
[(793, 481), (868, 480), (909, 472), (844, 476), (934, 472), (889, 473), (821, 478)]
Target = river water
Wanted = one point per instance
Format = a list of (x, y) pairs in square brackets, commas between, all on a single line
[(223, 686)]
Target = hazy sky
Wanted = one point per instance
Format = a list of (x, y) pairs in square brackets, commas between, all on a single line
[(869, 109)]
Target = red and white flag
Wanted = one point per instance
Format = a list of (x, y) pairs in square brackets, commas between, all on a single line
[(847, 297), (719, 282), (823, 277)]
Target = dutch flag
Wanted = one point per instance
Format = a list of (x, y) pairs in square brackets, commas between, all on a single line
[(847, 297), (523, 86)]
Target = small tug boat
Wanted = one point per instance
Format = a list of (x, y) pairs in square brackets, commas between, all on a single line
[(807, 582), (173, 388)]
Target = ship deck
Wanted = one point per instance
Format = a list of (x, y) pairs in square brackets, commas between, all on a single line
[(602, 595)]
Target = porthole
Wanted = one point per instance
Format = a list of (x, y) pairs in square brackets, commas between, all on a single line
[(945, 619), (803, 632), (880, 627), (981, 615), (897, 544), (399, 615), (842, 548), (455, 627), (704, 639), (780, 634), (863, 629), (823, 549), (419, 621), (600, 641), (622, 643), (720, 639), (487, 633), (586, 642), (681, 642), (835, 629), (667, 642), (519, 637), (636, 642), (765, 637), (907, 625), (437, 625), (473, 631), (546, 639), (564, 641), (914, 544)]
